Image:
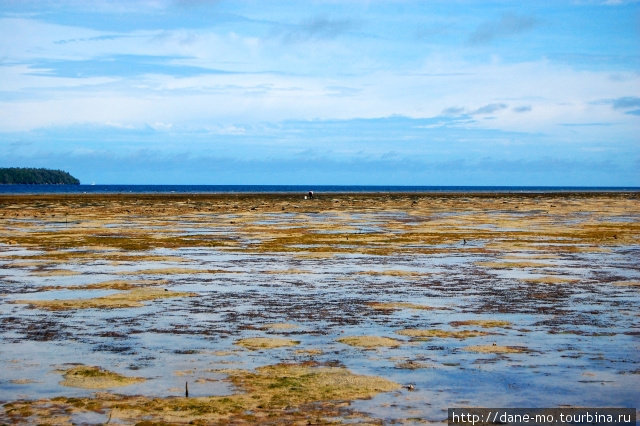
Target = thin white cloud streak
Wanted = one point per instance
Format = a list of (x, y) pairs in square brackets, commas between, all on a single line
[(28, 39), (14, 78), (34, 40)]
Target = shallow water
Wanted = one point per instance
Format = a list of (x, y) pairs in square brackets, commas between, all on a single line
[(581, 337)]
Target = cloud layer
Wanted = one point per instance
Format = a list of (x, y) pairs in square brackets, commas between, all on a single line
[(374, 81)]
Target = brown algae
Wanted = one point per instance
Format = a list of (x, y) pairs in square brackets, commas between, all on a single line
[(394, 273), (278, 326), (264, 393), (481, 323), (369, 342), (54, 273), (463, 334), (513, 265), (257, 343), (549, 279), (92, 377), (458, 246), (495, 349), (412, 365), (128, 299), (627, 283), (295, 384), (120, 284), (309, 352), (167, 271), (22, 381), (398, 305)]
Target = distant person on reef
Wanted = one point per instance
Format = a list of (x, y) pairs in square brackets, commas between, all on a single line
[(310, 195)]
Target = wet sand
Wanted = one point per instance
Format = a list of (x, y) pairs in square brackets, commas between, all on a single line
[(346, 308)]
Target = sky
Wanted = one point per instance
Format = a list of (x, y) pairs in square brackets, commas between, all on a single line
[(335, 92)]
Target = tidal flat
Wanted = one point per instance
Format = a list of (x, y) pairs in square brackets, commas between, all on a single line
[(348, 308)]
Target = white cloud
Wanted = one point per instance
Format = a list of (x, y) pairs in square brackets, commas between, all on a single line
[(272, 82), (619, 2), (554, 94)]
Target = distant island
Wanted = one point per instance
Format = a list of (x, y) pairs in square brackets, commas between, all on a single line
[(29, 176)]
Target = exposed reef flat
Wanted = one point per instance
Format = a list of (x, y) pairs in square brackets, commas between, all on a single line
[(92, 377), (358, 308)]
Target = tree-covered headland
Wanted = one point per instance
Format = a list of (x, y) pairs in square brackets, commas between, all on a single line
[(30, 176)]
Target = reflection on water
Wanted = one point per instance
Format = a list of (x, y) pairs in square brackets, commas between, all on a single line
[(581, 337)]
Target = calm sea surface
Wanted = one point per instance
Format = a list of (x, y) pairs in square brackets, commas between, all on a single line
[(79, 189)]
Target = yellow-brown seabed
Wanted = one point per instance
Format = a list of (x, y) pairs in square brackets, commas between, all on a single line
[(321, 280)]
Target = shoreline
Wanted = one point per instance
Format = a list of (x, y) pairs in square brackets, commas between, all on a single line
[(303, 189), (319, 196)]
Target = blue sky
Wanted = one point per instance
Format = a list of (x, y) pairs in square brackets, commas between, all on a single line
[(430, 92)]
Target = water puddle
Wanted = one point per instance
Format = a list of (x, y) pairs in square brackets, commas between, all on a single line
[(527, 335)]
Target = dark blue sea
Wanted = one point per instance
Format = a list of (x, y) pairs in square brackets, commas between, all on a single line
[(222, 189)]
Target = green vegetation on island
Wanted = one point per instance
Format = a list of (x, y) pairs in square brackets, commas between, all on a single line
[(30, 176)]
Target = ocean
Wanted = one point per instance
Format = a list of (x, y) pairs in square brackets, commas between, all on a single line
[(221, 189)]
